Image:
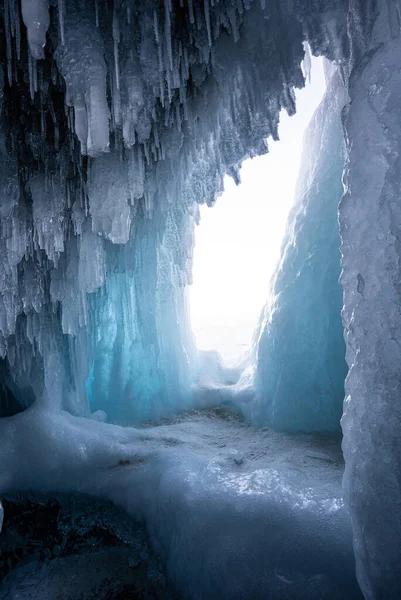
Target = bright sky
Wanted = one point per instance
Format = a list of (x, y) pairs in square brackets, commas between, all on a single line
[(238, 240)]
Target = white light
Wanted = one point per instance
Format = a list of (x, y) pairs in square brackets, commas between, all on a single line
[(238, 240)]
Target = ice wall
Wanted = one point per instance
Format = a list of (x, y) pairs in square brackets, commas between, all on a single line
[(141, 351), (370, 221), (299, 345)]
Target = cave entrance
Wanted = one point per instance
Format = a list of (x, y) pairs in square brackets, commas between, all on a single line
[(237, 244)]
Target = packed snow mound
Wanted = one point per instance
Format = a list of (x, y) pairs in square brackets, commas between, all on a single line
[(299, 346), (231, 511)]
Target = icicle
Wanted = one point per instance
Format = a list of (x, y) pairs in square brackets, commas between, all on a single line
[(8, 41), (156, 27), (178, 116), (141, 166), (35, 75), (116, 38), (167, 115), (11, 8), (61, 11), (42, 123), (148, 204), (36, 17), (159, 55), (186, 63), (185, 108), (207, 19), (191, 12), (30, 73), (161, 85), (167, 29), (156, 135), (55, 125), (97, 12), (307, 62), (18, 33), (169, 93), (146, 151), (198, 18)]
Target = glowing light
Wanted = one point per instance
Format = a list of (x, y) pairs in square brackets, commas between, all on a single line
[(238, 240)]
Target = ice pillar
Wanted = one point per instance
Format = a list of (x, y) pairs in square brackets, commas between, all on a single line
[(370, 227)]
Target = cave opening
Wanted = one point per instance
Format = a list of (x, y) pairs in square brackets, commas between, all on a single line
[(237, 244)]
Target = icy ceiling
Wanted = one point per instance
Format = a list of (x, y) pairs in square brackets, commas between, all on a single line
[(117, 119)]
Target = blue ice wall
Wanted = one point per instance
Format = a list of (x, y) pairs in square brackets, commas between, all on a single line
[(140, 347), (299, 345)]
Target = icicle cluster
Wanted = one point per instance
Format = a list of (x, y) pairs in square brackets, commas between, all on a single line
[(117, 120)]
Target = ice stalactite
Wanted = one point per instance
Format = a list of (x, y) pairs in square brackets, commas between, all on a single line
[(35, 14), (81, 61), (299, 345)]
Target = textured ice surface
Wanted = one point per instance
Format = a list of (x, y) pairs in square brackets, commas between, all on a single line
[(299, 345), (231, 511), (182, 94), (141, 348), (370, 220)]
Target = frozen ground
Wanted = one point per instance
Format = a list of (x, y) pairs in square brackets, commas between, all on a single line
[(231, 511)]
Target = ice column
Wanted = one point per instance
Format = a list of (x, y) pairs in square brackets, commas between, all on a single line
[(370, 227)]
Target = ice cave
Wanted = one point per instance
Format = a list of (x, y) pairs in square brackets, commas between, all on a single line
[(132, 463)]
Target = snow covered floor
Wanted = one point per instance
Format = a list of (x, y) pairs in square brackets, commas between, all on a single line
[(233, 512)]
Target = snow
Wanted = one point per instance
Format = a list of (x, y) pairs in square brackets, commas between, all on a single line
[(229, 509)]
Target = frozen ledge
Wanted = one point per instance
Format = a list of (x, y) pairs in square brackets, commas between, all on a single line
[(231, 511)]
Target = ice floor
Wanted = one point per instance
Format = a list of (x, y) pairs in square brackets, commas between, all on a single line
[(231, 512)]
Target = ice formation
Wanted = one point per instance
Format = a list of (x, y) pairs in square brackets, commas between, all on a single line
[(125, 135), (370, 221), (232, 513), (117, 119), (299, 345)]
